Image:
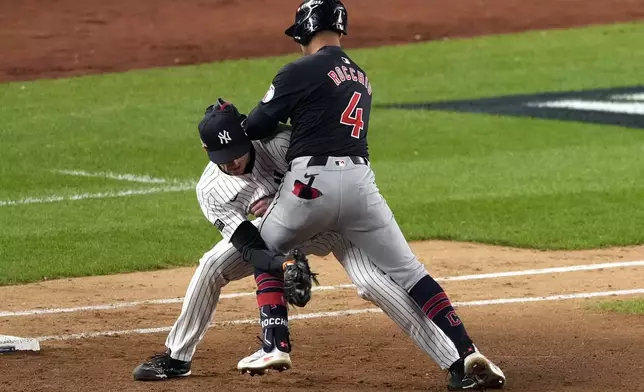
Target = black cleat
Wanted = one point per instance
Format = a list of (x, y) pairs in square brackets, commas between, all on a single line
[(161, 367), (457, 380)]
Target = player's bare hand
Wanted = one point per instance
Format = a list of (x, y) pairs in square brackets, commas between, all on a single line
[(258, 209)]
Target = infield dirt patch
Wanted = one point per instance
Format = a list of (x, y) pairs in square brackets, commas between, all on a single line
[(545, 346), (41, 39)]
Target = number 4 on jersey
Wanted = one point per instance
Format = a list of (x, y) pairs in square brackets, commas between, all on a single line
[(354, 120)]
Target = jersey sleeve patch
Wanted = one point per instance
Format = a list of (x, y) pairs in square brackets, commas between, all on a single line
[(269, 94), (286, 89), (220, 225)]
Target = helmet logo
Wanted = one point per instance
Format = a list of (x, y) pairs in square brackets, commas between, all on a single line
[(311, 4), (310, 25), (224, 137)]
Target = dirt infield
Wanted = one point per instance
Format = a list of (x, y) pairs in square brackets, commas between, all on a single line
[(555, 345), (41, 39)]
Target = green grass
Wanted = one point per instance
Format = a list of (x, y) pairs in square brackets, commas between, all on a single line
[(631, 306), (504, 180)]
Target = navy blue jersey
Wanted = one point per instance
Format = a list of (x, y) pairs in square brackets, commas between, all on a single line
[(327, 98)]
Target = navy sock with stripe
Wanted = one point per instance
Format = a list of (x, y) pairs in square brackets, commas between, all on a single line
[(431, 298)]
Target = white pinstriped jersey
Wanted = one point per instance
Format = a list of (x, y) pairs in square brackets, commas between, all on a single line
[(225, 200)]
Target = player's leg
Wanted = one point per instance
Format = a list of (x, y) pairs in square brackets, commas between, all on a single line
[(373, 285), (368, 222), (289, 221), (217, 267), (276, 345)]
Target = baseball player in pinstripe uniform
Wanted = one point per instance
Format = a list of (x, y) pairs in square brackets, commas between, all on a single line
[(242, 178)]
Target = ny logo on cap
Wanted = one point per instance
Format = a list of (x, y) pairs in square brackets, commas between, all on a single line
[(224, 137)]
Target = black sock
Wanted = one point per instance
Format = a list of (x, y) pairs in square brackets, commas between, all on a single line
[(275, 328), (431, 298)]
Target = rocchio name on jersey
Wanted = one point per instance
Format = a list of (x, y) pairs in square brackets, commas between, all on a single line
[(272, 322), (343, 74)]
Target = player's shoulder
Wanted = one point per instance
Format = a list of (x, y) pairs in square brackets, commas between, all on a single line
[(281, 138), (209, 178), (316, 60), (292, 70), (302, 66), (217, 187)]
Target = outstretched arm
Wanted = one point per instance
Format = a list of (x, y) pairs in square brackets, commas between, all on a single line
[(247, 240)]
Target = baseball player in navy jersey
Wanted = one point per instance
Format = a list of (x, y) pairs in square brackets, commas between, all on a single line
[(329, 185), (242, 178)]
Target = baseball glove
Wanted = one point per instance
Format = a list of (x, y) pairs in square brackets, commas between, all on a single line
[(298, 279)]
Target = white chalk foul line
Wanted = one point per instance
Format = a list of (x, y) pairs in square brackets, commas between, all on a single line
[(100, 195), (554, 270), (120, 305), (115, 176), (348, 313)]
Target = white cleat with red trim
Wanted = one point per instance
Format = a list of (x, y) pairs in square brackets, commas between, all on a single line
[(261, 361)]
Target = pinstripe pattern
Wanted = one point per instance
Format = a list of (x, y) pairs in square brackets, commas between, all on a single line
[(226, 199), (375, 286), (216, 268)]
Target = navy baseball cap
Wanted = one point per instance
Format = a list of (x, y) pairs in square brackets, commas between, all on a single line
[(222, 135)]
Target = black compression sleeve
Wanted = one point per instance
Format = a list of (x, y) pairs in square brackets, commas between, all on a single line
[(249, 243), (259, 125)]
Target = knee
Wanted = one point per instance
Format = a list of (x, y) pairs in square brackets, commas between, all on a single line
[(211, 268), (367, 287)]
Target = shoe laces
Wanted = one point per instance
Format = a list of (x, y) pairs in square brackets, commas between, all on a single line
[(159, 359)]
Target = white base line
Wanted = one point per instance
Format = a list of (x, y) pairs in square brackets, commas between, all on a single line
[(121, 305), (633, 107), (115, 176), (100, 195), (553, 270), (348, 313)]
